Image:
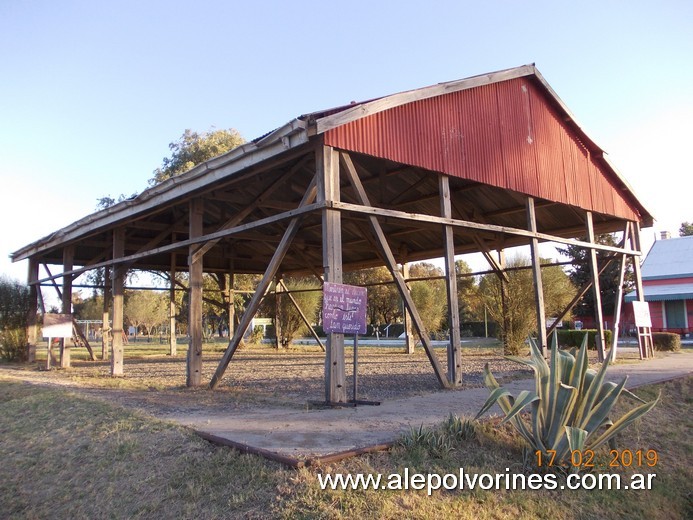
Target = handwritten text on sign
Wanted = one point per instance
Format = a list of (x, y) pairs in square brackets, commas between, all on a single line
[(344, 308)]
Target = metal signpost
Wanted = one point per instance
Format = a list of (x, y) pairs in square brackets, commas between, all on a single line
[(344, 311)]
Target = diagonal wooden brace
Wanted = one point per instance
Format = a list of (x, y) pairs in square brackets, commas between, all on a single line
[(386, 253)]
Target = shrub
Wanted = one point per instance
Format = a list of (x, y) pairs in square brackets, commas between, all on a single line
[(666, 341), (573, 338), (14, 307), (570, 404), (257, 335)]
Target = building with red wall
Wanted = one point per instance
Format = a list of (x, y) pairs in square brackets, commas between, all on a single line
[(667, 277)]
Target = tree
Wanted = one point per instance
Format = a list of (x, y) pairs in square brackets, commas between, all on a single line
[(521, 316), (686, 229), (429, 296), (581, 273), (466, 291), (146, 309), (194, 148), (291, 325), (384, 303)]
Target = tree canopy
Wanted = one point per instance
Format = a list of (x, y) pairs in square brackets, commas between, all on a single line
[(520, 304), (686, 229), (194, 148)]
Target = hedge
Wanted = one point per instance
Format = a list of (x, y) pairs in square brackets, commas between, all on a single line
[(666, 341), (573, 338)]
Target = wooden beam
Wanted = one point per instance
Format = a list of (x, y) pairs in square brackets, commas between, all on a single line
[(259, 201), (596, 289), (68, 262), (173, 339), (52, 280), (327, 177), (454, 347), (391, 264), (409, 341), (288, 215), (277, 317), (619, 297), (578, 296), (105, 317), (536, 274), (507, 323), (195, 270), (645, 343), (262, 287), (465, 224), (118, 293), (31, 317)]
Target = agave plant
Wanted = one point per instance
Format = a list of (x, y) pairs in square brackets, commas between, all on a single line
[(570, 405)]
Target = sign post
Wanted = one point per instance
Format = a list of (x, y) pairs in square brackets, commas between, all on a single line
[(55, 326), (643, 324), (344, 312)]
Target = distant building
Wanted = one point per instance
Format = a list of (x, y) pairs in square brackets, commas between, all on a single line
[(667, 277)]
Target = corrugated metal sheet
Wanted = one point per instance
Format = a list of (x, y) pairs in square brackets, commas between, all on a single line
[(505, 134)]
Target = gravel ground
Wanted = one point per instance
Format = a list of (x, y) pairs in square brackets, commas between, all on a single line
[(263, 377)]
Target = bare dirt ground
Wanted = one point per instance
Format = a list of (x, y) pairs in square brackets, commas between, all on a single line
[(260, 376)]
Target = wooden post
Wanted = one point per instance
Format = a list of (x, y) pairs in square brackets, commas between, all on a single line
[(454, 347), (327, 178), (118, 293), (507, 324), (596, 289), (277, 312), (173, 339), (195, 270), (536, 273), (68, 261), (31, 318), (644, 342), (409, 339), (619, 297), (105, 316), (231, 297)]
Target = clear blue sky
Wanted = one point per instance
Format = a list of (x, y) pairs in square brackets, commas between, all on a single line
[(91, 93)]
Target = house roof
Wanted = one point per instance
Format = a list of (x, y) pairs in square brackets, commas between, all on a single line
[(665, 292), (670, 258)]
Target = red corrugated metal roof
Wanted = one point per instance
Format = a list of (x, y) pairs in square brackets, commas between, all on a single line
[(513, 133)]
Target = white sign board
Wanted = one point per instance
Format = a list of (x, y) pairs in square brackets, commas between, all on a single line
[(57, 325), (641, 312)]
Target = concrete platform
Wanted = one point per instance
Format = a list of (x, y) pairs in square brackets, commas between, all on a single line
[(300, 437)]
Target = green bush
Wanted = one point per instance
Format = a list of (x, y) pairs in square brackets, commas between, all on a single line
[(13, 344), (14, 307), (666, 341), (257, 335), (573, 338)]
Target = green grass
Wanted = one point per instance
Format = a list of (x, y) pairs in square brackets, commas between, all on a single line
[(65, 456)]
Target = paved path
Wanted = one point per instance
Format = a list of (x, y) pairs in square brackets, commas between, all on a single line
[(321, 433)]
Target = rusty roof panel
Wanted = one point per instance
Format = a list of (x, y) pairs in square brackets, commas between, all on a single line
[(506, 134)]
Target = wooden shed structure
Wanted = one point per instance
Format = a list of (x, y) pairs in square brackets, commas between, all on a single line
[(475, 165)]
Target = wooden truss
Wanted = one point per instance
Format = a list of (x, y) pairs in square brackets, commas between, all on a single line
[(322, 211)]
